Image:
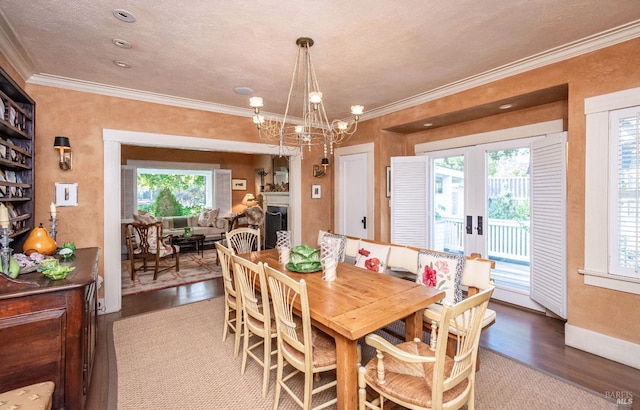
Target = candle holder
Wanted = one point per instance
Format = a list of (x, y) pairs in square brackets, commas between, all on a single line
[(283, 244), (54, 226), (5, 252), (329, 256)]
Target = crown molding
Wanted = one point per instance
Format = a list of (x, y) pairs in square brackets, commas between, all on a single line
[(21, 61), (16, 55), (131, 94), (586, 45)]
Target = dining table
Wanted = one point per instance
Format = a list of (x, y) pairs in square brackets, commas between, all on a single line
[(357, 303)]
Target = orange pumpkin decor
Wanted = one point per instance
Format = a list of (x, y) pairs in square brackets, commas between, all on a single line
[(39, 241)]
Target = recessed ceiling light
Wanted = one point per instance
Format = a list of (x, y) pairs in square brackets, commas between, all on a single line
[(428, 124), (121, 43), (121, 64), (505, 106), (124, 15), (243, 90)]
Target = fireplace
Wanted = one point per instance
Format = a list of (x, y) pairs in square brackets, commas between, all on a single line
[(275, 219)]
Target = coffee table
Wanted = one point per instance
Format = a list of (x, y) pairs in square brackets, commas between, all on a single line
[(195, 240)]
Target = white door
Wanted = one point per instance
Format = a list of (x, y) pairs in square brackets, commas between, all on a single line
[(353, 195)]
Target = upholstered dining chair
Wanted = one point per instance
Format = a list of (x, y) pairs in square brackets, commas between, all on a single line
[(243, 240), (257, 318), (421, 376), (147, 243), (309, 350), (232, 299)]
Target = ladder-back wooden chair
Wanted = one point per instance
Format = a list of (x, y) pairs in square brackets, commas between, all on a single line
[(309, 350), (232, 299), (421, 376), (243, 240), (476, 276), (257, 316), (147, 243)]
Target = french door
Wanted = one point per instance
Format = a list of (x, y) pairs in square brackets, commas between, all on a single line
[(481, 201), (505, 200)]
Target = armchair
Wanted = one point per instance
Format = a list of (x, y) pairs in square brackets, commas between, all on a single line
[(147, 242), (421, 376)]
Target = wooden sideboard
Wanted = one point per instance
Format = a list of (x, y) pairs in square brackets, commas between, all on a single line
[(48, 330)]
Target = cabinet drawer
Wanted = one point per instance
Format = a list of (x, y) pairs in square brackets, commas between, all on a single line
[(33, 350)]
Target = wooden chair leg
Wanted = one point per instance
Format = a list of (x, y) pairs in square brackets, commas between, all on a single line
[(133, 268)]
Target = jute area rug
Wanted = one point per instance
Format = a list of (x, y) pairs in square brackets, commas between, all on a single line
[(193, 268), (175, 359)]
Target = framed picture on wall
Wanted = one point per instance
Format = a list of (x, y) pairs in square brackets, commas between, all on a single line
[(315, 192), (239, 184), (66, 194)]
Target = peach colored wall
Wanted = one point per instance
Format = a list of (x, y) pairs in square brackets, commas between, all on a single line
[(611, 69), (82, 117)]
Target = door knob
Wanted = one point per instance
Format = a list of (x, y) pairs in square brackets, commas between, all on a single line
[(364, 222)]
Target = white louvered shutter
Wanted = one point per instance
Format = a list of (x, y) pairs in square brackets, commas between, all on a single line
[(128, 192), (548, 223), (222, 191), (410, 207)]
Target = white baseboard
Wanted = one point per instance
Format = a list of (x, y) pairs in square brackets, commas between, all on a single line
[(602, 345)]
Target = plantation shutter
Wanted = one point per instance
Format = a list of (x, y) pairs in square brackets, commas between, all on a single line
[(548, 223), (222, 191), (624, 194), (410, 207), (128, 192)]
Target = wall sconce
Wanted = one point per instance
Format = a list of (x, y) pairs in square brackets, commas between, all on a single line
[(64, 147), (317, 172)]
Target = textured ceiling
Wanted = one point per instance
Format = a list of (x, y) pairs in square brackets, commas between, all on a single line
[(377, 53)]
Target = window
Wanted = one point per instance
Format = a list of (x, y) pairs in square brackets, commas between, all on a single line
[(211, 190), (612, 172), (191, 188), (624, 192)]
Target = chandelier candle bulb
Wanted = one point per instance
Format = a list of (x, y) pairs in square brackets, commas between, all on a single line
[(256, 102)]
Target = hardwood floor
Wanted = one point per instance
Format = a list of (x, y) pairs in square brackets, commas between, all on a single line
[(525, 336)]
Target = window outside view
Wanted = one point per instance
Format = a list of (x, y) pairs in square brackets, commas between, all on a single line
[(173, 192)]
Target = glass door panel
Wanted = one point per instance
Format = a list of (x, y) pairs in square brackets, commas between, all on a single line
[(508, 217), (448, 204)]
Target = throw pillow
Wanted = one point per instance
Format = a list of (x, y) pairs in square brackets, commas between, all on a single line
[(372, 256), (180, 221), (144, 218), (342, 241), (208, 217), (441, 271), (255, 216)]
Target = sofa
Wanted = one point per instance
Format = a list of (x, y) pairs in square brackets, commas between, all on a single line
[(174, 225)]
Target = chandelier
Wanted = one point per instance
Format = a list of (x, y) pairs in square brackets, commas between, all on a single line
[(314, 129)]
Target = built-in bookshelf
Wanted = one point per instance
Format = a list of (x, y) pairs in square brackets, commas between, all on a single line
[(17, 131)]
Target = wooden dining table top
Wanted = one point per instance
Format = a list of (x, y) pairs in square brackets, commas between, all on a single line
[(359, 301)]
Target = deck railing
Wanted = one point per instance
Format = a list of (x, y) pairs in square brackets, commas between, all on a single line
[(508, 240)]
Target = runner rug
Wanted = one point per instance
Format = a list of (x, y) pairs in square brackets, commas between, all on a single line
[(175, 359), (193, 268)]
